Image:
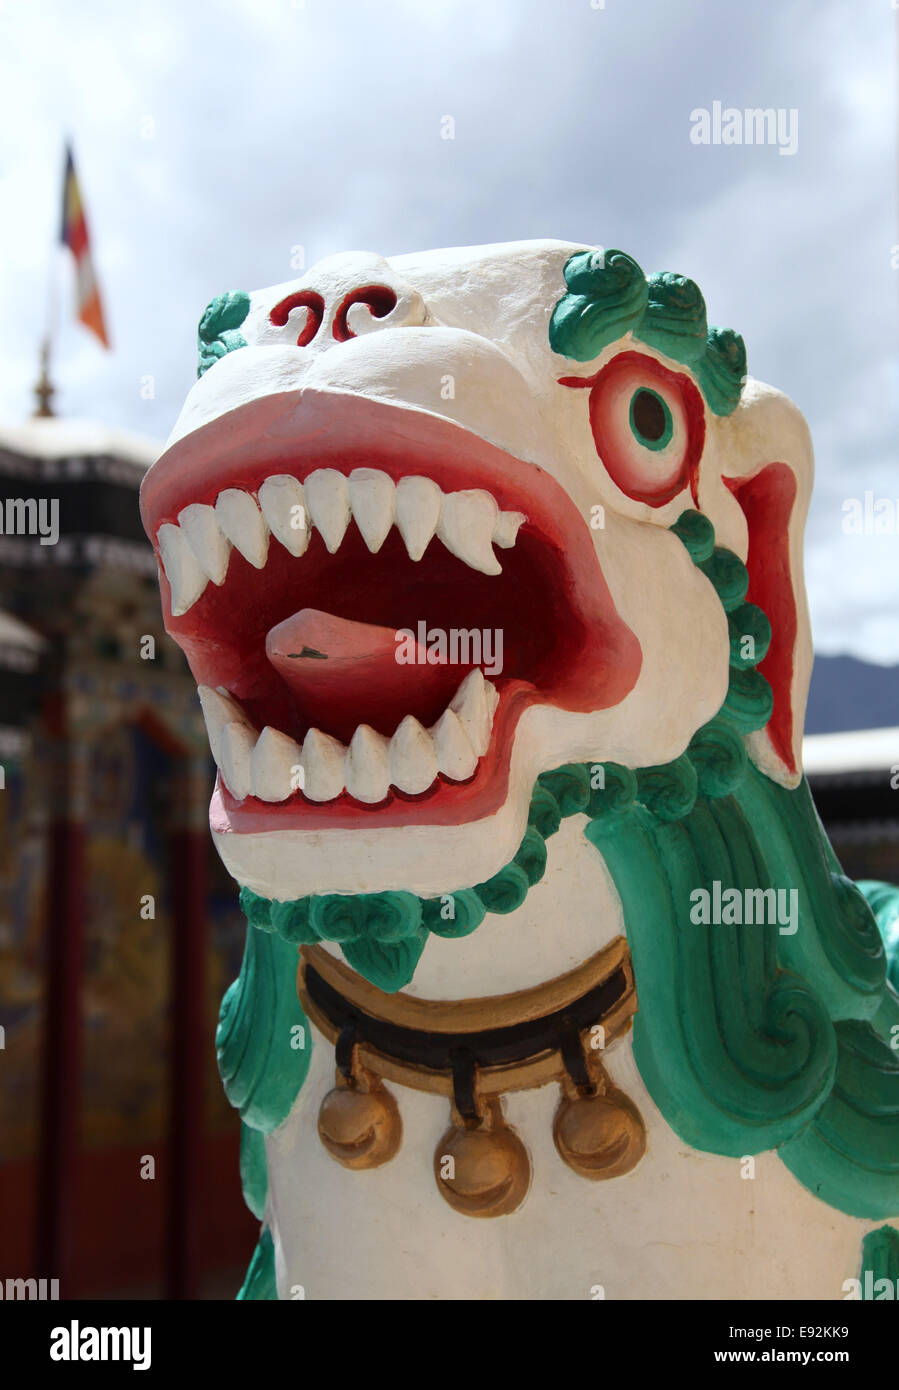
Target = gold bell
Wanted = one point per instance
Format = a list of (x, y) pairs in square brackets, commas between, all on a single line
[(481, 1165), (599, 1134), (359, 1121)]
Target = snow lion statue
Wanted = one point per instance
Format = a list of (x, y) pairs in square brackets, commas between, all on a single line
[(488, 566)]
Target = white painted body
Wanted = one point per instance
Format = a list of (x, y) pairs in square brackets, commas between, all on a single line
[(683, 1224)]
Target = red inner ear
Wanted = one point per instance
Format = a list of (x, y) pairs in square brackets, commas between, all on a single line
[(767, 502)]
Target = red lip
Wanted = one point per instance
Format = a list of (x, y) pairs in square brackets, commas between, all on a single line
[(565, 644)]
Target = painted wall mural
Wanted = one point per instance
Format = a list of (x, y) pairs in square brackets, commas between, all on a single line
[(126, 970), (488, 565)]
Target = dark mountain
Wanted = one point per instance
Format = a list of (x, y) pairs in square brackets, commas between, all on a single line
[(850, 694)]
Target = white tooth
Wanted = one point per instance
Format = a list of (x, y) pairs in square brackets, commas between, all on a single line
[(413, 761), (455, 755), (466, 527), (182, 568), (322, 762), (506, 528), (283, 504), (243, 524), (219, 709), (272, 766), (328, 500), (212, 549), (371, 498), (470, 703), (417, 513), (367, 765), (492, 695), (236, 751)]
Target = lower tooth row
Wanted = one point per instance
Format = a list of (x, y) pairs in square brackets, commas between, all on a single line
[(272, 766)]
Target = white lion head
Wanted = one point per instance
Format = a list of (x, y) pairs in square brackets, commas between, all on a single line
[(414, 528)]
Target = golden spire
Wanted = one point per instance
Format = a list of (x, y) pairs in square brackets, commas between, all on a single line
[(44, 390)]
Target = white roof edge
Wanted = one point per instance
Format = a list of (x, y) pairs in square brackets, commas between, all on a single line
[(15, 633), (58, 438), (857, 750)]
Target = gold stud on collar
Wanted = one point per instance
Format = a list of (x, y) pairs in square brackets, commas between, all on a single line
[(600, 1135), (359, 1121), (481, 1166)]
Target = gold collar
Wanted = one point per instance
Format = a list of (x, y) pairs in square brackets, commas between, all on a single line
[(473, 1051)]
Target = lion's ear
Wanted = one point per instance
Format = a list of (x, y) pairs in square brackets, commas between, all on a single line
[(769, 472)]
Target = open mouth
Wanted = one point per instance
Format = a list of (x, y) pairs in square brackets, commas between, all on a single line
[(368, 612)]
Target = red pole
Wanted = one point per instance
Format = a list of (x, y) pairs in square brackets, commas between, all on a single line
[(59, 1156), (191, 1042)]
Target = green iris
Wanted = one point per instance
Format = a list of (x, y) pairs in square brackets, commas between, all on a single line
[(650, 419)]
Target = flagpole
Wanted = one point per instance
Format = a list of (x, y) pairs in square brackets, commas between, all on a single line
[(73, 233), (44, 390)]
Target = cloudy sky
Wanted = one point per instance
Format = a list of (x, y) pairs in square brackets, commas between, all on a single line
[(213, 138)]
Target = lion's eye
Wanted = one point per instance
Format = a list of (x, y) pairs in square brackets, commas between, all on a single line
[(648, 426)]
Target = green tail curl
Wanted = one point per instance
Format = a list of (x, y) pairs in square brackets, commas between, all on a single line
[(747, 1038)]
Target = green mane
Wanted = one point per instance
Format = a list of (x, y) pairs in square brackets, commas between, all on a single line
[(748, 1039), (608, 296)]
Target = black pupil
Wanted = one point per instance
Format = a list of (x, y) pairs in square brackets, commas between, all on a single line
[(649, 416)]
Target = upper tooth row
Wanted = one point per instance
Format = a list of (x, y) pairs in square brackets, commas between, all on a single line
[(199, 547), (272, 766)]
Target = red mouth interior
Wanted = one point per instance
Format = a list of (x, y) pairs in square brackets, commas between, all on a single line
[(563, 642), (542, 634)]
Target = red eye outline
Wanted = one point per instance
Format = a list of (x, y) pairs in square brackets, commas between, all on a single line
[(653, 374), (306, 299)]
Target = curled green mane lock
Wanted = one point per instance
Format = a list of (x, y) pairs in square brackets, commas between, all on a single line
[(608, 296)]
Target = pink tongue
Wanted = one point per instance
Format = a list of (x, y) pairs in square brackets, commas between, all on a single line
[(345, 674)]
